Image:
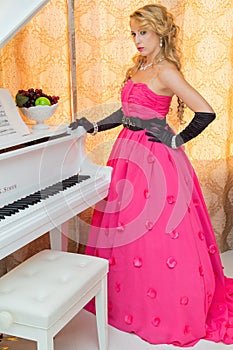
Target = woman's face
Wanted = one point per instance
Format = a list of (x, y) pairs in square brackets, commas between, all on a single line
[(146, 41)]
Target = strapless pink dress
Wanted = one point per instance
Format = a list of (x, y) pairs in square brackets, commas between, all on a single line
[(166, 281)]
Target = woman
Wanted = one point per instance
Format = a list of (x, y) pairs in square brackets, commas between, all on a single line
[(165, 280)]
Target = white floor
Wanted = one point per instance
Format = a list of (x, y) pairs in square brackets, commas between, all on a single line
[(81, 334)]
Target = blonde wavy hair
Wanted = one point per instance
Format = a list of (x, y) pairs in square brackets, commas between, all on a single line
[(157, 18)]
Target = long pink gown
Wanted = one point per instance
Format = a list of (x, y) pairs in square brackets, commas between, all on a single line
[(166, 281)]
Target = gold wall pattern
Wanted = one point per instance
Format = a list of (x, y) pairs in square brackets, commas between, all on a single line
[(39, 57)]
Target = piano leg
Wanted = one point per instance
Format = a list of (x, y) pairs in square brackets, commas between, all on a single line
[(71, 231), (55, 236), (60, 235)]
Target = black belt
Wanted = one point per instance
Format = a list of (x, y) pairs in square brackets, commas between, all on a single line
[(136, 124)]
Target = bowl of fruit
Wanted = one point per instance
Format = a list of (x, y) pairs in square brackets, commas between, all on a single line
[(37, 106)]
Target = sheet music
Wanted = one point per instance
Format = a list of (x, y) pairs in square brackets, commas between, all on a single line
[(11, 123), (5, 128)]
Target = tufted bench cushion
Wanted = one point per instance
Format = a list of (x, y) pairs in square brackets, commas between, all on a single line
[(38, 292)]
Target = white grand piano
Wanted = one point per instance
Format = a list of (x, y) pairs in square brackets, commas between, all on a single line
[(46, 178)]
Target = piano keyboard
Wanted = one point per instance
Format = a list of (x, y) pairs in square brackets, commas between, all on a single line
[(32, 199), (28, 218)]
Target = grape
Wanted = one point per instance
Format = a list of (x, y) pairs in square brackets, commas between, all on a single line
[(27, 98)]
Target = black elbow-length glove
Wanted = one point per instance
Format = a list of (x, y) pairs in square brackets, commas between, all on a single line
[(110, 122), (200, 121)]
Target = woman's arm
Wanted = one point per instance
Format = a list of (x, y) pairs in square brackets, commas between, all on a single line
[(173, 80), (112, 121)]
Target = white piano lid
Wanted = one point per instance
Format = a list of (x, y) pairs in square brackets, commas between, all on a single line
[(15, 14)]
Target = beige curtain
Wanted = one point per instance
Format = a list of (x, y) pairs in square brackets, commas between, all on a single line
[(39, 57)]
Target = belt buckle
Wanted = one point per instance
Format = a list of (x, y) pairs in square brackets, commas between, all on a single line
[(127, 123)]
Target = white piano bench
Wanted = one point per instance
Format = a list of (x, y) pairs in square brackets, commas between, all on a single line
[(41, 295)]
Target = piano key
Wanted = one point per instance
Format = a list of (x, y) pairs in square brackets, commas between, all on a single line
[(38, 196), (6, 211), (24, 203), (20, 205), (50, 192)]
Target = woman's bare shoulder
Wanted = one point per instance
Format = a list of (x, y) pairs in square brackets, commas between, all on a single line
[(167, 69)]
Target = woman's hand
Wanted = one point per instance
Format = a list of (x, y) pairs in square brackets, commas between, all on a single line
[(158, 133), (84, 122)]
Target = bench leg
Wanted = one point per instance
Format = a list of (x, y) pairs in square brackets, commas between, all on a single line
[(101, 315)]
